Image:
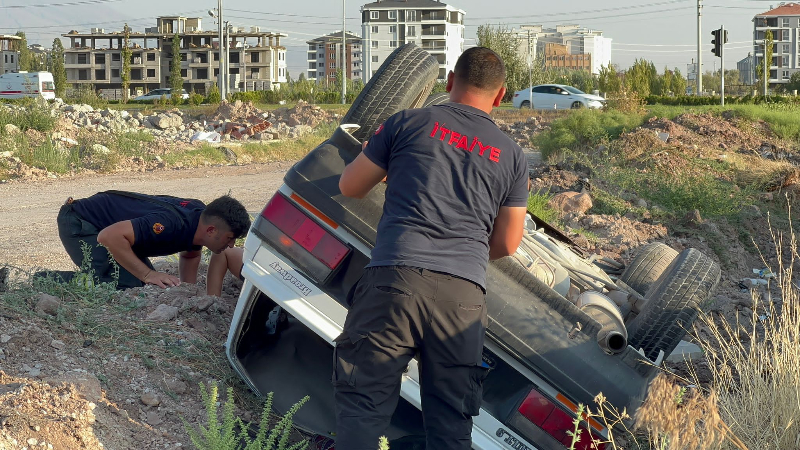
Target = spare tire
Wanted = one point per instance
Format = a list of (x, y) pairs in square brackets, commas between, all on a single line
[(403, 81), (673, 303), (436, 99), (650, 262)]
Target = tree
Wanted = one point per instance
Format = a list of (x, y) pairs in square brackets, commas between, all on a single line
[(59, 72), (126, 64), (608, 80), (768, 44), (25, 62), (794, 83), (678, 82), (641, 77), (175, 78), (505, 43)]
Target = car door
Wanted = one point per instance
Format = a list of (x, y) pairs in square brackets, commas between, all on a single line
[(541, 97), (561, 97)]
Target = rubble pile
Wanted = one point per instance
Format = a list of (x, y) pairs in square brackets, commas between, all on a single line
[(522, 131)]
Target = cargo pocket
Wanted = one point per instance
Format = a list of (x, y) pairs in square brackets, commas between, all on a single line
[(345, 365), (472, 404)]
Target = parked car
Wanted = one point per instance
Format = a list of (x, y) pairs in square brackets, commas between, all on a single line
[(556, 96), (156, 94), (563, 327), (27, 84)]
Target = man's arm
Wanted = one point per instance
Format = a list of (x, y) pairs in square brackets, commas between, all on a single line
[(188, 265), (360, 176), (506, 232), (118, 238)]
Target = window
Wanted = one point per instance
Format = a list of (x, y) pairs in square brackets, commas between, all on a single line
[(373, 29), (312, 65), (374, 44), (392, 15), (321, 55), (202, 74), (374, 58), (356, 74), (82, 58), (152, 57), (185, 74), (785, 61), (392, 44), (151, 73), (83, 74), (784, 35), (331, 46), (411, 16), (312, 74), (114, 73), (115, 57), (216, 56), (356, 64), (786, 48), (785, 74), (255, 57), (785, 22), (392, 28), (332, 56), (99, 74), (332, 65), (411, 30), (100, 58), (312, 47), (373, 15)]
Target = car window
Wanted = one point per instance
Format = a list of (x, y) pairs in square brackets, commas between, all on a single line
[(540, 90), (554, 90), (573, 90)]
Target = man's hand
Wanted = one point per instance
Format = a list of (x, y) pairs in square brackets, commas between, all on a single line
[(160, 279)]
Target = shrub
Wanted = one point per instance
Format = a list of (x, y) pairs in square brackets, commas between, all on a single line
[(32, 116), (196, 99), (585, 128), (86, 94), (686, 100), (213, 96)]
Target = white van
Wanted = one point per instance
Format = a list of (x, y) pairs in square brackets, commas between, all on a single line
[(27, 84)]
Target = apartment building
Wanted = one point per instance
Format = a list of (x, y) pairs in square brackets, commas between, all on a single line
[(9, 56), (784, 22), (435, 26), (746, 68), (325, 54), (257, 58), (558, 56), (576, 39)]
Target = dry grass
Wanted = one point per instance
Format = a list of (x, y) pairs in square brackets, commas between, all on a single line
[(755, 366)]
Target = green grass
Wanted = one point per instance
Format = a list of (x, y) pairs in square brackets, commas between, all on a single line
[(538, 205), (33, 117), (584, 128)]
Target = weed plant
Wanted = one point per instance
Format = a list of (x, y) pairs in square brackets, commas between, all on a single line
[(32, 116), (538, 205), (585, 129)]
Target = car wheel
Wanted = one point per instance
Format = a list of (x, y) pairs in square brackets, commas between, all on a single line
[(576, 105), (436, 99), (403, 81), (525, 104), (673, 303), (648, 264)]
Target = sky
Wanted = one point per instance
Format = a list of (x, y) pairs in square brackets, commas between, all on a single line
[(663, 31)]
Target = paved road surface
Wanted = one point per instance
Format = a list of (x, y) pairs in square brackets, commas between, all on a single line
[(28, 232)]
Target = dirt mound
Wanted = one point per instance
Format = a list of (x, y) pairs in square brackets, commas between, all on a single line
[(706, 130), (613, 236), (303, 113), (236, 111)]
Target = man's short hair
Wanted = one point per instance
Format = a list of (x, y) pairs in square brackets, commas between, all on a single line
[(482, 68), (231, 212)]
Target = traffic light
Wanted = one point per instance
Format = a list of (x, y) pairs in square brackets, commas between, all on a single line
[(716, 42)]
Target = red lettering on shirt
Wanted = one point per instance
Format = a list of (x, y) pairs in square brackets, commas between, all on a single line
[(483, 147), (494, 154), (462, 144), (435, 129), (185, 203), (444, 133), (453, 137), (474, 142)]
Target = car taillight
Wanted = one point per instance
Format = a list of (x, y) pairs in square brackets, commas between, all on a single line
[(301, 238), (548, 416)]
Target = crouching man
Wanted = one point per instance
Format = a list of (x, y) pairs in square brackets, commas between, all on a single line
[(129, 228)]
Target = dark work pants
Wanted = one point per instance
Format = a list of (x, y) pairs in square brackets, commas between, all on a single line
[(394, 313), (73, 231)]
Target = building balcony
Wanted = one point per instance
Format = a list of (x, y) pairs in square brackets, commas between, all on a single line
[(427, 35), (78, 65)]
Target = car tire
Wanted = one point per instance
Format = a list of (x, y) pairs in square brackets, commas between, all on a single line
[(525, 104), (673, 303), (403, 81), (576, 105), (436, 99), (648, 264)]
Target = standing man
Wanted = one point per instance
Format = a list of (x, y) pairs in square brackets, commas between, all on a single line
[(456, 198), (129, 228)]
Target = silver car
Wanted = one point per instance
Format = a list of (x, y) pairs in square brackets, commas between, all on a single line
[(556, 96)]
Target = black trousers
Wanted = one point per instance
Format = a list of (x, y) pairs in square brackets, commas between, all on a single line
[(74, 231), (395, 313)]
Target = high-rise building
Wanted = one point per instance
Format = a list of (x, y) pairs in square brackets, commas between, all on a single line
[(325, 54), (578, 41), (95, 58), (435, 26), (784, 22)]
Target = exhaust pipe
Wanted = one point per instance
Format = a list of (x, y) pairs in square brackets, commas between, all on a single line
[(612, 337)]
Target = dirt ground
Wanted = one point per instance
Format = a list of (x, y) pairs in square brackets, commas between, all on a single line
[(124, 374)]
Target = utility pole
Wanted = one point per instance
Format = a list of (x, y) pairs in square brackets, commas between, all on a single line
[(699, 73), (766, 70), (244, 64), (227, 58), (722, 64), (530, 72), (221, 79), (344, 56)]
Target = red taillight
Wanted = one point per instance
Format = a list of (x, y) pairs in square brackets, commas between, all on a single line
[(545, 414), (304, 231)]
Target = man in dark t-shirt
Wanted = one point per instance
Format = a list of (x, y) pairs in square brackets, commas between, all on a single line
[(130, 228), (456, 197)]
